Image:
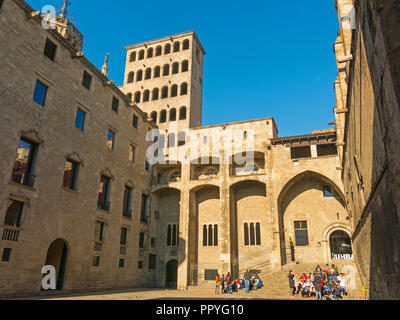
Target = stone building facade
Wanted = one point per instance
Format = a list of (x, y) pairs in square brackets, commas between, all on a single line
[(367, 121), (79, 190)]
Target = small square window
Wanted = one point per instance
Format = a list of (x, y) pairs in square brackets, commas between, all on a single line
[(121, 263), (80, 119), (96, 261), (87, 80), (6, 254), (50, 49), (115, 104), (40, 93)]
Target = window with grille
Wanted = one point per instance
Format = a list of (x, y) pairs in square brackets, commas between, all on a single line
[(301, 233), (14, 213), (99, 231)]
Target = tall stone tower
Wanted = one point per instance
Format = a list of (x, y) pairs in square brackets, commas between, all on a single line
[(165, 78)]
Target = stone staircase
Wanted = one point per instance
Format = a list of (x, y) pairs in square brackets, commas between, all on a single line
[(277, 282)]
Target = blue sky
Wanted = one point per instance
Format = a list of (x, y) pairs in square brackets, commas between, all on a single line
[(264, 58)]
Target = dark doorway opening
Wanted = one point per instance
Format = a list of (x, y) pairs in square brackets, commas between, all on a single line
[(57, 256), (172, 274)]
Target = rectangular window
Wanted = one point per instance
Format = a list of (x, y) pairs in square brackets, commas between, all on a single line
[(14, 213), (110, 139), (87, 80), (135, 121), (70, 175), (326, 150), (152, 261), (210, 275), (24, 165), (153, 242), (80, 119), (301, 233), (147, 166), (104, 193), (127, 209), (132, 153), (96, 261), (6, 255), (300, 152), (144, 216), (141, 240), (40, 93), (50, 49), (140, 265), (99, 231), (124, 233), (121, 263), (115, 104)]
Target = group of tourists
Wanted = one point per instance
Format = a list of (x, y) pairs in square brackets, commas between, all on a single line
[(228, 285), (327, 284)]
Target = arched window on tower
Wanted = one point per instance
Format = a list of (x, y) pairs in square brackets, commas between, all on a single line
[(166, 70), (172, 115), (158, 51), (148, 74), (167, 49), (185, 66), (163, 116), (139, 76), (150, 53), (141, 54), (146, 96), (175, 68), (182, 113), (164, 93), (174, 91), (131, 77), (153, 116), (184, 89), (157, 72), (186, 44), (155, 94), (177, 46), (132, 57), (137, 97)]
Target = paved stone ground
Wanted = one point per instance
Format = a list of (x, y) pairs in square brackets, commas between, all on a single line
[(192, 294)]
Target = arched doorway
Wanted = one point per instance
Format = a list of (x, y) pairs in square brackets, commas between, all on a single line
[(57, 256), (340, 244), (171, 278)]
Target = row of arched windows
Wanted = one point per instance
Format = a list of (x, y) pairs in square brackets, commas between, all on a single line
[(172, 115), (156, 73), (252, 237), (210, 236), (155, 94), (142, 54), (171, 140)]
